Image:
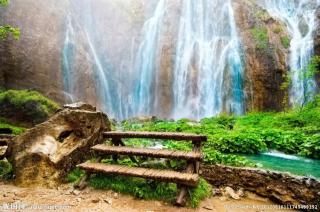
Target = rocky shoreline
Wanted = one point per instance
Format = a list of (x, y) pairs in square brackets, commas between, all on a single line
[(281, 188)]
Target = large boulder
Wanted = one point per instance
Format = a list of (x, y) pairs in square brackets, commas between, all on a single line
[(43, 155)]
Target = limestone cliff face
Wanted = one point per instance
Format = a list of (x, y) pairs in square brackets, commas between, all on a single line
[(33, 61), (265, 56), (36, 60)]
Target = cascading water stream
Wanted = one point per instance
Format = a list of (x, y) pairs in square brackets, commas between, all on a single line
[(146, 65), (207, 71), (300, 18), (68, 59), (208, 67)]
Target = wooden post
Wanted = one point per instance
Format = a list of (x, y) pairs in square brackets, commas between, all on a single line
[(181, 198), (82, 183), (192, 167), (115, 142), (196, 148)]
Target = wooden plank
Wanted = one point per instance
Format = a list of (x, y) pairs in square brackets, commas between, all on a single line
[(161, 175), (119, 142), (156, 135), (155, 153)]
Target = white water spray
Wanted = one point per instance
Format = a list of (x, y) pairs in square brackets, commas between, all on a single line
[(208, 69), (300, 18)]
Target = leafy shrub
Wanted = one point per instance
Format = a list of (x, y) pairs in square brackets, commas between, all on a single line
[(240, 142), (311, 147), (26, 106)]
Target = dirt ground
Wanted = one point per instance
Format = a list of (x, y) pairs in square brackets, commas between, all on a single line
[(13, 198)]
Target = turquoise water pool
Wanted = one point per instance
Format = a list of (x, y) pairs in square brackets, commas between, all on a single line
[(287, 163)]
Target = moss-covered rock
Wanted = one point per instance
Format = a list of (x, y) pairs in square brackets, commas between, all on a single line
[(26, 107)]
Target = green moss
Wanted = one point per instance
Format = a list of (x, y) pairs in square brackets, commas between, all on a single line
[(261, 37), (5, 125), (277, 30), (260, 34), (26, 106), (285, 40), (262, 15)]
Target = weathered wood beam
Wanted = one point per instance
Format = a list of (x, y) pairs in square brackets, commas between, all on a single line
[(156, 135), (155, 174), (155, 153)]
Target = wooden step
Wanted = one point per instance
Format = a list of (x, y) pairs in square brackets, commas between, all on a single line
[(155, 153), (156, 135), (161, 175)]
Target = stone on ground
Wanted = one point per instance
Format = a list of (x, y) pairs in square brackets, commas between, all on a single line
[(44, 155)]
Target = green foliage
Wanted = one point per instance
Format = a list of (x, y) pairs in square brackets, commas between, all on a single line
[(16, 130), (202, 191), (291, 132), (149, 189), (311, 148), (30, 105), (260, 34), (74, 175), (7, 30), (5, 170), (4, 2), (285, 40)]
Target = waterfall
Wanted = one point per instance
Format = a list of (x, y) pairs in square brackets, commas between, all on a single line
[(80, 18), (68, 59), (146, 62), (300, 18), (208, 68)]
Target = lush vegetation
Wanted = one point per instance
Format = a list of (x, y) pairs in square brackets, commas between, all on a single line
[(142, 188), (260, 34), (4, 124), (26, 106), (293, 132), (7, 30)]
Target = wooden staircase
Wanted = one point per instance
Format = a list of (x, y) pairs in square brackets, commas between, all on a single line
[(188, 178)]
